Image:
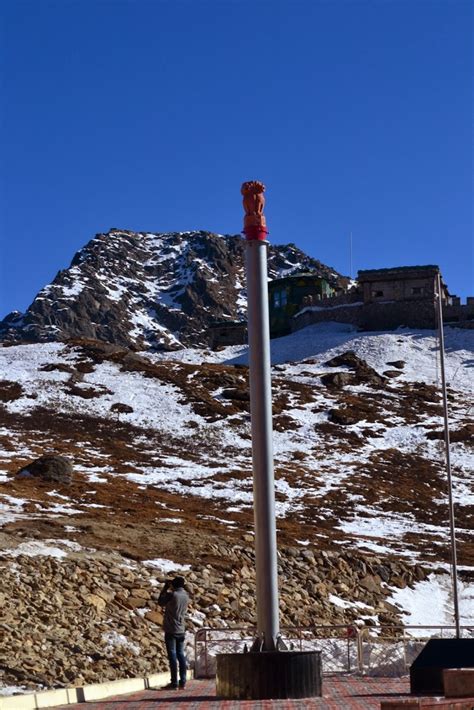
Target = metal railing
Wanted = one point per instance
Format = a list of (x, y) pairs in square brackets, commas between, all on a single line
[(390, 650), (338, 646), (371, 650)]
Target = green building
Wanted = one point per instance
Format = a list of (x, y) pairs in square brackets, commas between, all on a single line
[(289, 295)]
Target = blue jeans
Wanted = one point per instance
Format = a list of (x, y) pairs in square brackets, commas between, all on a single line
[(175, 649)]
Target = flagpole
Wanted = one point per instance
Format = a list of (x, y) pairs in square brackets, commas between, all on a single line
[(454, 572)]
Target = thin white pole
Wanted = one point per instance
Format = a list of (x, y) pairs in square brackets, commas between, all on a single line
[(351, 272), (452, 528)]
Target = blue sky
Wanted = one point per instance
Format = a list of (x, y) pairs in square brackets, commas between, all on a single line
[(148, 115)]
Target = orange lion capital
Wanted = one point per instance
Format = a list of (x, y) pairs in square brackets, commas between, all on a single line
[(254, 203)]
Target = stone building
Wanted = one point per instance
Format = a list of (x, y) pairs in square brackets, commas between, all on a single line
[(401, 283), (286, 296), (386, 299), (227, 333)]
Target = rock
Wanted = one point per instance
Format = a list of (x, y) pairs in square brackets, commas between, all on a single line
[(237, 394), (465, 434), (155, 616), (363, 372), (9, 391), (344, 417), (52, 469), (107, 595), (398, 581), (121, 408), (246, 572), (135, 602), (371, 583), (94, 600), (57, 366), (140, 593), (337, 379), (87, 392)]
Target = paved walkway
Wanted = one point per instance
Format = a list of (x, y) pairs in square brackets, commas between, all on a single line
[(339, 693)]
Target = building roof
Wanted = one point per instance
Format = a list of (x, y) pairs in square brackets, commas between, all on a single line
[(227, 323), (299, 275), (396, 272)]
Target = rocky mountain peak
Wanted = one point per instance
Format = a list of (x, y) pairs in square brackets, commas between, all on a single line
[(144, 290)]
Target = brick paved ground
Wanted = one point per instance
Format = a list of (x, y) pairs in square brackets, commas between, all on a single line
[(339, 693)]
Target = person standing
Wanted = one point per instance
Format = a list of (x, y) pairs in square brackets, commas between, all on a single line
[(175, 599)]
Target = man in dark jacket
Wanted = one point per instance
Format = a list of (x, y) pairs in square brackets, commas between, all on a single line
[(174, 599)]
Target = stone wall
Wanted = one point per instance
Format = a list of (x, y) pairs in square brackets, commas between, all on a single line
[(84, 620), (462, 315), (385, 316)]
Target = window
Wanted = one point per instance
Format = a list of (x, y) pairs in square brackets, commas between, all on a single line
[(279, 299), (416, 291), (377, 294)]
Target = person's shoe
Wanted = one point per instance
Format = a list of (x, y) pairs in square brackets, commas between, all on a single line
[(170, 686), (182, 684)]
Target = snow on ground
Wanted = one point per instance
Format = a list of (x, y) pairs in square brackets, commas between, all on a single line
[(430, 603), (154, 404), (320, 342), (166, 566), (10, 509), (8, 690), (36, 548), (112, 639)]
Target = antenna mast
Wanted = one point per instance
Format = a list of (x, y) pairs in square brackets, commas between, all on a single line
[(454, 571), (350, 248)]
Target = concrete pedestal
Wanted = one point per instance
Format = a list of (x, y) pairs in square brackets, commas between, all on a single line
[(458, 682), (269, 674)]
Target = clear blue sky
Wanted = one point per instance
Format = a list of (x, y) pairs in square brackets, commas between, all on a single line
[(148, 115)]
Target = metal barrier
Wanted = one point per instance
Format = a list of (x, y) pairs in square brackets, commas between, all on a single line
[(389, 651), (386, 651), (338, 646)]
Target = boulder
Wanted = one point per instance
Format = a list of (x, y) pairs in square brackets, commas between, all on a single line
[(155, 616), (121, 408), (9, 391), (400, 364), (344, 416), (337, 379), (52, 469), (241, 395), (363, 372)]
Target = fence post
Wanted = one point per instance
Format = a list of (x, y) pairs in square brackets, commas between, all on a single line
[(360, 649)]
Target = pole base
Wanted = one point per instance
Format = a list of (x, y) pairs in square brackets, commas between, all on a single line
[(269, 675)]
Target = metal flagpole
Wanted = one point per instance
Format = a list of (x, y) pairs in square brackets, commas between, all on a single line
[(269, 669), (261, 418), (454, 571)]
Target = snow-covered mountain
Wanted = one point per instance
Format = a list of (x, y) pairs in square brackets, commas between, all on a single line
[(162, 482), (150, 291)]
